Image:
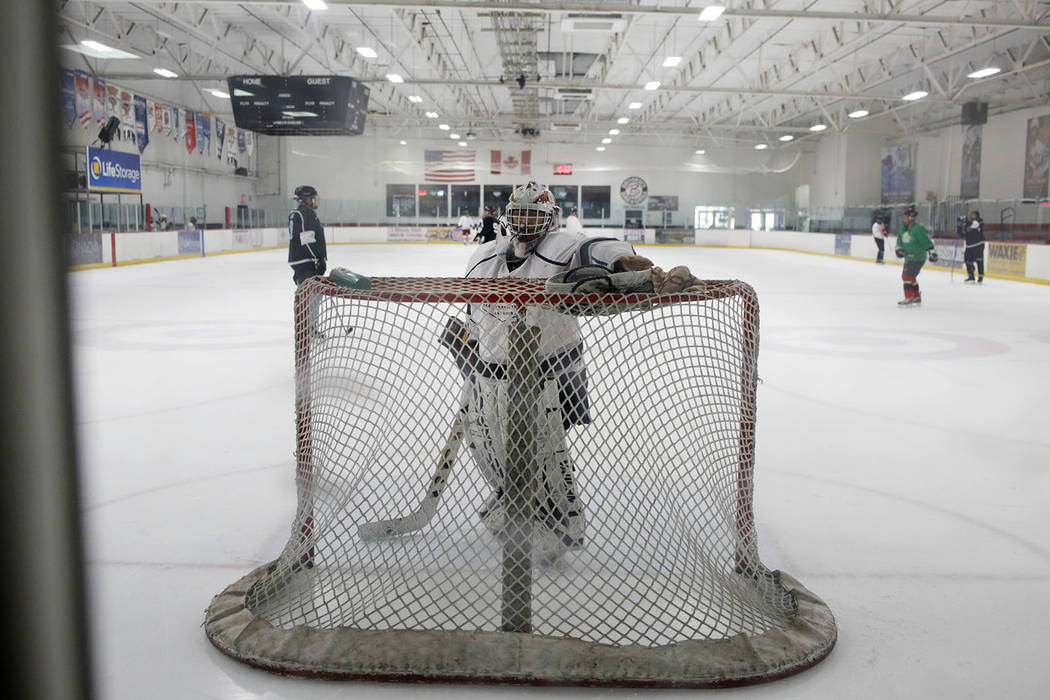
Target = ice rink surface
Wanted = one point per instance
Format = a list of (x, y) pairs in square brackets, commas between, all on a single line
[(902, 473)]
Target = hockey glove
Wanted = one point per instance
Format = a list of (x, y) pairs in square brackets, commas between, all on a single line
[(899, 252), (456, 337), (933, 256)]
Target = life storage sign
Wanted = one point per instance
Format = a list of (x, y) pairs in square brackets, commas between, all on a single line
[(113, 171)]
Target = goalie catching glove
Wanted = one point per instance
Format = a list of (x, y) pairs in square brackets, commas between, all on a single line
[(595, 279)]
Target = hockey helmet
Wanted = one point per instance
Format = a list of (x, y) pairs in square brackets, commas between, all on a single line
[(910, 211), (531, 212), (305, 192)]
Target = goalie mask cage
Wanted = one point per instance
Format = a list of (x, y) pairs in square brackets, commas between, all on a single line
[(390, 572)]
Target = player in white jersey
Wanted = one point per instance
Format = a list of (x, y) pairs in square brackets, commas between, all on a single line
[(534, 248)]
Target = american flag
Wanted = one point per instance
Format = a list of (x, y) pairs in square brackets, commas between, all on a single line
[(449, 166)]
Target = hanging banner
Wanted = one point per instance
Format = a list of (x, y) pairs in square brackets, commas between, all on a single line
[(141, 132), (191, 131), (69, 98), (970, 183), (112, 101), (83, 98), (898, 174), (98, 103), (158, 117), (1037, 158), (220, 137), (127, 116), (204, 133), (178, 123)]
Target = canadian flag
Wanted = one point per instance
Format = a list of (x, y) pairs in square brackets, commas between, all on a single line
[(511, 162)]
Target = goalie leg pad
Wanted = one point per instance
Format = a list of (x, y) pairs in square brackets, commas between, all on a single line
[(556, 508)]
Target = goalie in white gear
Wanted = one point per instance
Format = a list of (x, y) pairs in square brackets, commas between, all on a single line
[(534, 248)]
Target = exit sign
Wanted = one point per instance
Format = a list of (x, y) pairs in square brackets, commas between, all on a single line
[(563, 168)]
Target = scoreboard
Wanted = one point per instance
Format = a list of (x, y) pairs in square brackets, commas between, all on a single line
[(290, 105)]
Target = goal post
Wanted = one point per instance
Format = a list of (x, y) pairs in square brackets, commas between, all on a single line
[(570, 504)]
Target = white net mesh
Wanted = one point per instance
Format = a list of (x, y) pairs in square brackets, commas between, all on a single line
[(565, 467)]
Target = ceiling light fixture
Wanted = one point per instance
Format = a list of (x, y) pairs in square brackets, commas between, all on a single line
[(404, 143), (444, 127), (818, 127), (634, 105), (622, 120), (787, 137), (761, 146), (415, 98), (652, 85), (711, 13), (453, 136), (600, 148), (700, 151), (98, 50), (219, 93), (432, 115), (672, 61), (164, 72), (394, 78), (367, 52), (316, 5), (917, 95), (858, 113), (985, 72), (614, 132), (606, 140), (463, 144)]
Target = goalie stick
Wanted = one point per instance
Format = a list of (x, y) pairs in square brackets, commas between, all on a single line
[(422, 515), (456, 339)]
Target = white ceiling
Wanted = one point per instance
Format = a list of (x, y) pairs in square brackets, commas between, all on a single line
[(764, 69)]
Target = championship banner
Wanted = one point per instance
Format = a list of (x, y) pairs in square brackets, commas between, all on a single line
[(1037, 158), (113, 171), (166, 117), (191, 131), (69, 99), (112, 101), (158, 117), (127, 116), (83, 98), (204, 133), (98, 102), (970, 183), (141, 132), (898, 174), (178, 124), (1007, 258), (220, 137)]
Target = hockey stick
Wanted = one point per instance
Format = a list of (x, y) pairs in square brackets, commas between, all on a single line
[(423, 513), (457, 339)]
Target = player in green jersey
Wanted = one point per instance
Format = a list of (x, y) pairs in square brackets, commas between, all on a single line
[(912, 244)]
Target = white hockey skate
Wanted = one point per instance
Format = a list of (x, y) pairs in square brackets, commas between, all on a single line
[(551, 536)]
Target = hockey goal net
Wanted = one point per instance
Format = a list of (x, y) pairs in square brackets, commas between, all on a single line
[(548, 488)]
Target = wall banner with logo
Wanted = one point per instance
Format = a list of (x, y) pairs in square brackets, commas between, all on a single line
[(113, 171)]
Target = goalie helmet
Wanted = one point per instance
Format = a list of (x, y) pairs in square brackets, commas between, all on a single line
[(532, 212)]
